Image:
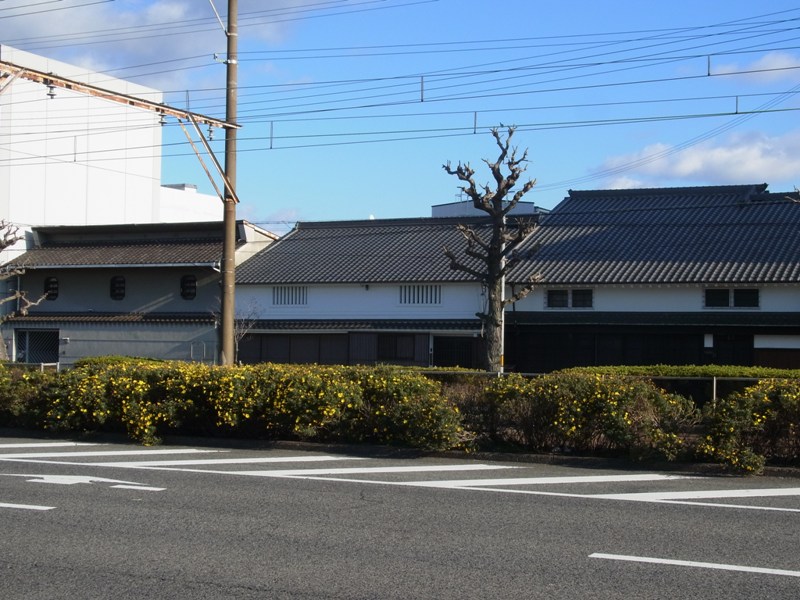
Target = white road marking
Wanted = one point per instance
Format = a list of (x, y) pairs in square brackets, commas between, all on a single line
[(695, 494), (470, 483), (701, 565), (67, 479), (46, 445), (482, 485), (25, 455), (144, 488), (509, 484), (26, 506), (728, 505), (600, 496), (226, 461), (365, 470)]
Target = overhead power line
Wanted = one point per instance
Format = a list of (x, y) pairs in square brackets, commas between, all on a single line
[(577, 63)]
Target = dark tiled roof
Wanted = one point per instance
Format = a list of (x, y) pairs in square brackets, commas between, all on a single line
[(201, 318), (368, 325), (736, 234), (136, 244), (723, 234), (361, 252), (109, 253), (640, 319)]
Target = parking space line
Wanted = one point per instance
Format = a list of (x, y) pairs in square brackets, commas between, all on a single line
[(690, 563)]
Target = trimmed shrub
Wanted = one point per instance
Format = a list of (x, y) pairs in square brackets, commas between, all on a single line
[(747, 429), (595, 414), (399, 406), (23, 394), (147, 399)]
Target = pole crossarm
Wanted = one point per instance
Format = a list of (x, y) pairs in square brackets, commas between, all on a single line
[(12, 70), (220, 169)]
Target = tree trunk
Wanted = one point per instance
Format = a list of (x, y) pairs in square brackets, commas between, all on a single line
[(493, 326)]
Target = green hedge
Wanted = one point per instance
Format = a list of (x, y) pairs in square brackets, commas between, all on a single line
[(603, 411), (690, 371), (590, 414), (745, 430), (147, 399)]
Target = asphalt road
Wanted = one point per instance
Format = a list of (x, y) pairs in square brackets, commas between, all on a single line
[(121, 521)]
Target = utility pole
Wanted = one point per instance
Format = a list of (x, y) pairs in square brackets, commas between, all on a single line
[(229, 202)]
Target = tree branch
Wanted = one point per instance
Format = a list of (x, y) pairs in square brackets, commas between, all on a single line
[(456, 265), (27, 303), (9, 234), (526, 289)]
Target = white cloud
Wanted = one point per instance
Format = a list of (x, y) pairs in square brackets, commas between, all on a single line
[(772, 67), (126, 33), (745, 158), (624, 183)]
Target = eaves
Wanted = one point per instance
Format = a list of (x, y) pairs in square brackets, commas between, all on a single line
[(210, 265)]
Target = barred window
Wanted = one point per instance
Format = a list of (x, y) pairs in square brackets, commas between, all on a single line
[(290, 295), (580, 298), (189, 287), (51, 288), (732, 298), (420, 294), (558, 298), (116, 288)]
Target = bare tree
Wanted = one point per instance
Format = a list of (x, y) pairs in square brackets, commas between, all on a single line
[(10, 235), (497, 251), (243, 323)]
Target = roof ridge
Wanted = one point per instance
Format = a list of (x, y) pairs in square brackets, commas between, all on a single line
[(390, 222), (752, 188), (127, 242)]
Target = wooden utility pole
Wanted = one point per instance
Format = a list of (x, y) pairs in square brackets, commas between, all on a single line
[(229, 217)]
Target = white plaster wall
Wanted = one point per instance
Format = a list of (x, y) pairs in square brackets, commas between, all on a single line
[(665, 299), (376, 301), (777, 341), (464, 300), (780, 298)]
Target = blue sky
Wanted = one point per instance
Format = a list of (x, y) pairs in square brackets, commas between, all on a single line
[(349, 108)]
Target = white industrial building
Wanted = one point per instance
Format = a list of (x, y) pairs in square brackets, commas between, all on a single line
[(72, 158)]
